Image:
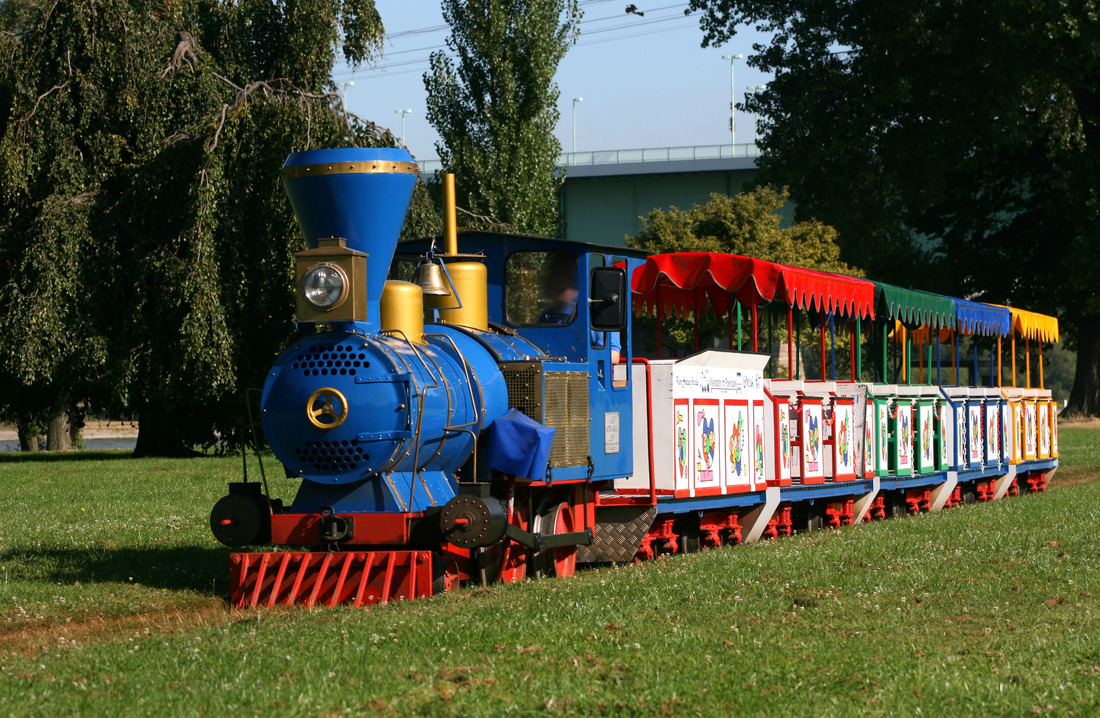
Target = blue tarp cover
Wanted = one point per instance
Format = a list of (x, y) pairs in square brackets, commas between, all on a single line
[(984, 319), (520, 446)]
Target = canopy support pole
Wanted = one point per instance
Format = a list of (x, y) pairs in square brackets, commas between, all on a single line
[(824, 366), (907, 357), (939, 361), (729, 330), (755, 331), (928, 355), (920, 363), (737, 304), (1013, 359), (1027, 360), (771, 339), (790, 342), (992, 380), (660, 309), (976, 379), (955, 356), (885, 355), (999, 361), (798, 348), (832, 345), (852, 343), (1041, 384), (895, 365), (859, 349)]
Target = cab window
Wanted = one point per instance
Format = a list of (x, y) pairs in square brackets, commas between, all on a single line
[(540, 288)]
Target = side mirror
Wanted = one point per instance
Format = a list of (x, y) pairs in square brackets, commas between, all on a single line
[(607, 299)]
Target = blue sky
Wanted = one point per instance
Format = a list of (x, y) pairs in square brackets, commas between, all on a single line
[(645, 81)]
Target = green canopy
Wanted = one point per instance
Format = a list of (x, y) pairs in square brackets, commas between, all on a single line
[(914, 307)]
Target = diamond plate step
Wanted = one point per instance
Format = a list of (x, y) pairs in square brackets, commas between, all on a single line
[(619, 532)]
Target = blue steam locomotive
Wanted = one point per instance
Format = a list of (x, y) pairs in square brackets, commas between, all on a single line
[(489, 421)]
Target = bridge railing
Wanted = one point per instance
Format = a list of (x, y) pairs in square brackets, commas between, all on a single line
[(652, 154)]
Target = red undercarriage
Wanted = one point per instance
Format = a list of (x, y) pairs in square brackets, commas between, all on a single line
[(378, 574)]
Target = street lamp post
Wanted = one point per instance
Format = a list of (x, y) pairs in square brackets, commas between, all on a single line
[(755, 118), (343, 92), (575, 101), (733, 101), (402, 113)]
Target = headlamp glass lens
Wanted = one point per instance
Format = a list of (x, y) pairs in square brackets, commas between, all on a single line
[(323, 286)]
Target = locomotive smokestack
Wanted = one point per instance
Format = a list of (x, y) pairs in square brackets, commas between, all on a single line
[(358, 193)]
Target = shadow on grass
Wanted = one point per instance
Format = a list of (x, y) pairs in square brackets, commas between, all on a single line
[(187, 568), (22, 457)]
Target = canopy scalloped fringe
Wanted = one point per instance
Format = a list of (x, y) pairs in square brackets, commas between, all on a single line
[(985, 319), (1032, 325), (914, 307)]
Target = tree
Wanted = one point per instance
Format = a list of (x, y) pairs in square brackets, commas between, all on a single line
[(145, 243), (747, 224), (495, 106), (955, 146)]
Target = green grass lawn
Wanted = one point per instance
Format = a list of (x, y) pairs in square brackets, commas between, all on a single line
[(112, 600)]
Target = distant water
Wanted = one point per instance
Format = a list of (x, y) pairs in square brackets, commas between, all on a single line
[(127, 444)]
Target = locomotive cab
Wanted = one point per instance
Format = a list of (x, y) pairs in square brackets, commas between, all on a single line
[(571, 300)]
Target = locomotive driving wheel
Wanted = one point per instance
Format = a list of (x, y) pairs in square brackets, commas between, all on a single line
[(561, 561), (513, 564)]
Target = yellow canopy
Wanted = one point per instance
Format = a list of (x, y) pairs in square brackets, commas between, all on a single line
[(1033, 325)]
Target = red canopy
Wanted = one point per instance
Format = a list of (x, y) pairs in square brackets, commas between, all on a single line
[(683, 279), (827, 292)]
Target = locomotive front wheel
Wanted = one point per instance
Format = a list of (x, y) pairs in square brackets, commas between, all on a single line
[(561, 561), (237, 521)]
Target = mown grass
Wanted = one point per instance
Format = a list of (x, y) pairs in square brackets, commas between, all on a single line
[(112, 600)]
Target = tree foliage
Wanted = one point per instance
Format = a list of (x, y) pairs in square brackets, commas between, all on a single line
[(748, 224), (145, 243), (495, 106), (954, 145)]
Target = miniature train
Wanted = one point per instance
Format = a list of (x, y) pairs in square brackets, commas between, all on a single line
[(490, 422)]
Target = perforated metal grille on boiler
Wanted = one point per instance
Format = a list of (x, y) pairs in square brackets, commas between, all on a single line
[(524, 382), (337, 360), (331, 456), (567, 411)]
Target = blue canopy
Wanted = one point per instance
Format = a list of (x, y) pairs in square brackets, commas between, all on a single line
[(984, 319)]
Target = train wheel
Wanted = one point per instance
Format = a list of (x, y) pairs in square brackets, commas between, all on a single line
[(690, 535), (444, 574), (691, 541), (560, 561), (513, 567), (895, 505)]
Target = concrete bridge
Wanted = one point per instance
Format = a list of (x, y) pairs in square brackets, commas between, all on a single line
[(607, 193)]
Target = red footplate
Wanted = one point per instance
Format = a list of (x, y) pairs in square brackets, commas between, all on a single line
[(309, 578)]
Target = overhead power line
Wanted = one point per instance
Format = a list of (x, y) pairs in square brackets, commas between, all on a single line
[(420, 62)]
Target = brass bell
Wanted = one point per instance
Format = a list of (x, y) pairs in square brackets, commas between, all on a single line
[(430, 278)]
